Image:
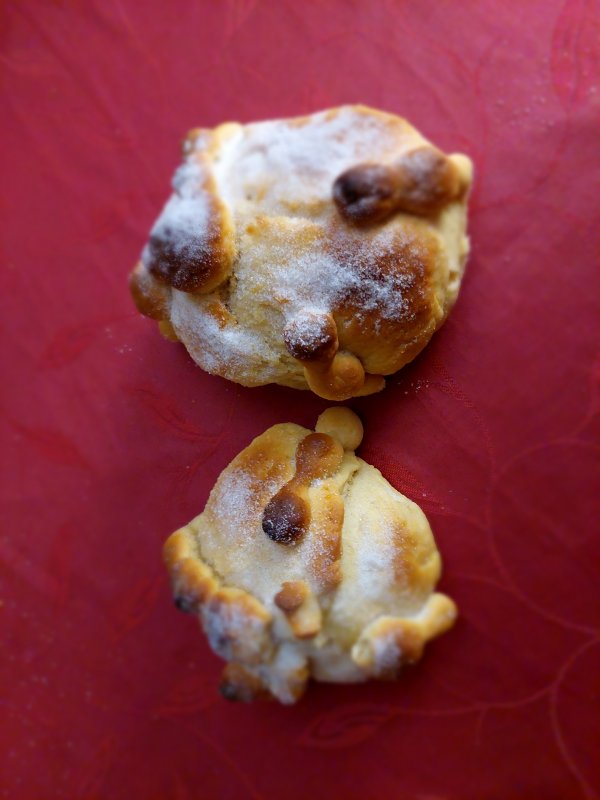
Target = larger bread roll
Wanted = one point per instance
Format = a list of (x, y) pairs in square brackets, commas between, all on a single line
[(306, 562), (319, 252)]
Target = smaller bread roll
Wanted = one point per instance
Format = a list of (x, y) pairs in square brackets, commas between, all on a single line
[(307, 563)]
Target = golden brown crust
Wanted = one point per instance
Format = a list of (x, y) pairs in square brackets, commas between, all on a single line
[(291, 596), (422, 182), (410, 267), (241, 685), (220, 313), (326, 278), (300, 607), (426, 181), (389, 643), (341, 378), (236, 623), (151, 298), (193, 581), (317, 456), (167, 331), (288, 514), (328, 515), (343, 424), (269, 457)]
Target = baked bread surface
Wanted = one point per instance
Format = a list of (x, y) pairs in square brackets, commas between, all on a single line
[(307, 562), (317, 252)]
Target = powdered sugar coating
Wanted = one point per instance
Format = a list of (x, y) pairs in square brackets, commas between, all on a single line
[(184, 223), (233, 541), (287, 167), (233, 351), (323, 276), (386, 653)]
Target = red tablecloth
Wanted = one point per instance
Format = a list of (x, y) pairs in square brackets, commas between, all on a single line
[(111, 437)]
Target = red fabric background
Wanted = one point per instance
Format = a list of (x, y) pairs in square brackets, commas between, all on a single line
[(111, 437)]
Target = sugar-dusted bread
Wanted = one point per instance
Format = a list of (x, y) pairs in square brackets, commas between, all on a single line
[(319, 252), (306, 562)]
